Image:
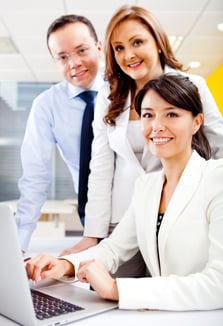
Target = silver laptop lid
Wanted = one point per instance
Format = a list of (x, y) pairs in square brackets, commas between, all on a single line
[(16, 302)]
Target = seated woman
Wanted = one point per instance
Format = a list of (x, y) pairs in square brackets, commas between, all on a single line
[(175, 218)]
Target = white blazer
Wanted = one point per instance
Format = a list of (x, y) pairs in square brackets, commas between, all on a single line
[(190, 242), (114, 166), (114, 169)]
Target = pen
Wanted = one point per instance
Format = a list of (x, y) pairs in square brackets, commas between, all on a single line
[(26, 259)]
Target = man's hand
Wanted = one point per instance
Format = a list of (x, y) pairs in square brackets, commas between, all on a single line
[(44, 266), (83, 244), (94, 273)]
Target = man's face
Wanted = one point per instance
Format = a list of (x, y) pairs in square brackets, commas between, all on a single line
[(76, 53)]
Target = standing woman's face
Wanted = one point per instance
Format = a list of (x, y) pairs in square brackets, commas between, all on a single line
[(136, 51)]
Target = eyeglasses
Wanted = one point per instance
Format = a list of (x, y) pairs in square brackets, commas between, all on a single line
[(82, 52)]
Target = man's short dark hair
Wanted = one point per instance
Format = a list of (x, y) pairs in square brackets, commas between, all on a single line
[(70, 19)]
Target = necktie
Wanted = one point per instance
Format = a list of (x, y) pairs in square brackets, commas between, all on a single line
[(85, 150)]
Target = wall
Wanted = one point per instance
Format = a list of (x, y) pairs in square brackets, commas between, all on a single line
[(215, 83)]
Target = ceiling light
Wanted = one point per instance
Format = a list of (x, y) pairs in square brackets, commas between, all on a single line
[(175, 41), (7, 46), (194, 64), (220, 27)]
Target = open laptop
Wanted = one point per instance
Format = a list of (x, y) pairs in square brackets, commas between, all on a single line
[(17, 302)]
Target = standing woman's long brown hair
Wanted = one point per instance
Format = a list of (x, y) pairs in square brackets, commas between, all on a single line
[(120, 83)]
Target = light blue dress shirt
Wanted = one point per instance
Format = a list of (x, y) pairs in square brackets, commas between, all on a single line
[(55, 119)]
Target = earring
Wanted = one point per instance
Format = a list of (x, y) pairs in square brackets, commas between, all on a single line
[(196, 130), (159, 51)]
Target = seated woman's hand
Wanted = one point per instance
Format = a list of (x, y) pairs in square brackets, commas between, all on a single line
[(44, 266), (94, 273)]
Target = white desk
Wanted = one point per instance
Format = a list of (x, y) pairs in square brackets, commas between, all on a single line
[(148, 318), (50, 207), (130, 318), (53, 216)]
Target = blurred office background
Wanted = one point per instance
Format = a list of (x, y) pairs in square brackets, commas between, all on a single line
[(26, 68)]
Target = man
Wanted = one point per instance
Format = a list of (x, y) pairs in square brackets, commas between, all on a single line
[(56, 116)]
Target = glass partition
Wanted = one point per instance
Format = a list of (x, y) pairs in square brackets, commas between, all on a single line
[(15, 104)]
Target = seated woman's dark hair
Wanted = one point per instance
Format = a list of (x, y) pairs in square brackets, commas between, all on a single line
[(179, 91)]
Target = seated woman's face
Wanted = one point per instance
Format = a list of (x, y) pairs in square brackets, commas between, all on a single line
[(167, 129)]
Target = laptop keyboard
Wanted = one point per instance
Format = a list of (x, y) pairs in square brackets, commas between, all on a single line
[(46, 306)]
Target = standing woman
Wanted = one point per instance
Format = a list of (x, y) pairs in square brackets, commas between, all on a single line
[(136, 50)]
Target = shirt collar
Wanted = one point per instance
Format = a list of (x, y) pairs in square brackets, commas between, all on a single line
[(74, 91)]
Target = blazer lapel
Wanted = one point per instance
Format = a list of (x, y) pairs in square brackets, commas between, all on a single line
[(182, 195), (118, 136), (150, 202)]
